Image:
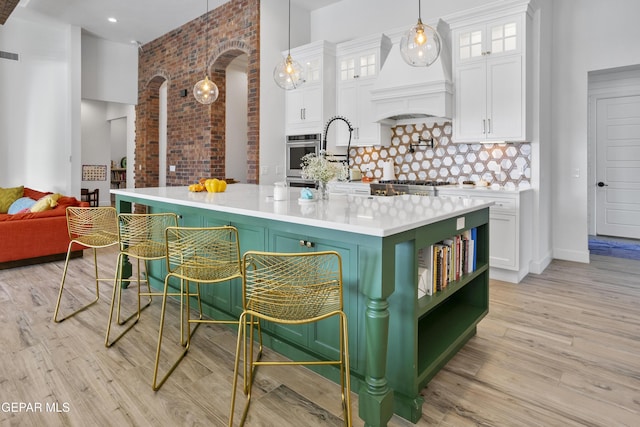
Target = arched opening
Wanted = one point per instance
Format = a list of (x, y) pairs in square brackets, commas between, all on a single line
[(147, 164), (236, 120)]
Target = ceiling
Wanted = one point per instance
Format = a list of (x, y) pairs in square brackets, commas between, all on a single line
[(138, 20)]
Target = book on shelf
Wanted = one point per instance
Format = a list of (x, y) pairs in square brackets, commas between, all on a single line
[(446, 261), (425, 267)]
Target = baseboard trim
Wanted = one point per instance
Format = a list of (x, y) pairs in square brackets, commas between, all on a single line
[(38, 260)]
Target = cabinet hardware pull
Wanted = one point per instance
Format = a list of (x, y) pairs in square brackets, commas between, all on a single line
[(484, 126), (489, 123), (306, 243)]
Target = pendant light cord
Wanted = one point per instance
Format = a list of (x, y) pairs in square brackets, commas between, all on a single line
[(206, 37), (289, 27)]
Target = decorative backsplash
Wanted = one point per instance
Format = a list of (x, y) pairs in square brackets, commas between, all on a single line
[(507, 164)]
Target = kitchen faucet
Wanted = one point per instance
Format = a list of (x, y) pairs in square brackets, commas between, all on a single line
[(326, 130)]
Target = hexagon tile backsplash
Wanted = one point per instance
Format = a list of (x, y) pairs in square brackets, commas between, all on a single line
[(507, 164)]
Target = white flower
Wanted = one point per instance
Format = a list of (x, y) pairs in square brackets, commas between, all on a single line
[(323, 167)]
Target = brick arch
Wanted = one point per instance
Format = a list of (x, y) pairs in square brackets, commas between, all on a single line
[(227, 52), (220, 59), (147, 131)]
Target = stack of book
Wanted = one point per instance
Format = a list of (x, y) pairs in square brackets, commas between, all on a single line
[(446, 262)]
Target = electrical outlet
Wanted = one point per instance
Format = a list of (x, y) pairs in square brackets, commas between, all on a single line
[(172, 168), (264, 170)]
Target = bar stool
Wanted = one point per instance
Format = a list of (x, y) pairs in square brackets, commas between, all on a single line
[(293, 288), (205, 255), (141, 236), (91, 228)]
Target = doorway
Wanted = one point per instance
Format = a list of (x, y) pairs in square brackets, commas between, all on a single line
[(615, 136), (236, 119)]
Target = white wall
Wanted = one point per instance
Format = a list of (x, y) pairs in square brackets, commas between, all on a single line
[(96, 144), (274, 40), (577, 50), (36, 109), (109, 70)]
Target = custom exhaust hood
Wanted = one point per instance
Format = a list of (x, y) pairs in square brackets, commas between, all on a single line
[(404, 92)]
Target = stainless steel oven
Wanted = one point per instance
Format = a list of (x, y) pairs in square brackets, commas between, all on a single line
[(299, 146)]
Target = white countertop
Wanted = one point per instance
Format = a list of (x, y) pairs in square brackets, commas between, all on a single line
[(369, 215)]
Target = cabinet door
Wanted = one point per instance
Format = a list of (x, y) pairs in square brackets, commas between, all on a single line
[(294, 104), (324, 336), (471, 99), (469, 44), (288, 243), (504, 36), (505, 99), (347, 107), (502, 243), (367, 132), (312, 105)]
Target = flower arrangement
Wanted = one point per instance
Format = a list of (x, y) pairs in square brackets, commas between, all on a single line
[(323, 167)]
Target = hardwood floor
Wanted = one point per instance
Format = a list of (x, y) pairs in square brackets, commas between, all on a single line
[(559, 349)]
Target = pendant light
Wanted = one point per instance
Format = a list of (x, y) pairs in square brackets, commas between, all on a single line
[(289, 74), (420, 46), (206, 91)]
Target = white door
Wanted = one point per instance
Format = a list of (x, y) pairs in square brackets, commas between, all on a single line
[(618, 167)]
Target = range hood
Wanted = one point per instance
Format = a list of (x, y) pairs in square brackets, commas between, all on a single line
[(404, 92)]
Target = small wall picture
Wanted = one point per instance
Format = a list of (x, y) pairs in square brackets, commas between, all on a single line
[(94, 172)]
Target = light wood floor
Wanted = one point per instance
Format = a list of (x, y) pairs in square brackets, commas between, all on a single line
[(559, 349)]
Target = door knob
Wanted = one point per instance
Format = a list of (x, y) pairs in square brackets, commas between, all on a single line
[(602, 184)]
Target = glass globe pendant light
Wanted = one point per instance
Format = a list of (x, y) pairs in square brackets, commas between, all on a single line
[(420, 45), (206, 91), (289, 74)]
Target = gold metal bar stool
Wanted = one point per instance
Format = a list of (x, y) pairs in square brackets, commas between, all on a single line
[(291, 288), (91, 228), (142, 237), (204, 255)]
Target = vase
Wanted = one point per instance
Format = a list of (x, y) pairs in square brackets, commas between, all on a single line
[(322, 191)]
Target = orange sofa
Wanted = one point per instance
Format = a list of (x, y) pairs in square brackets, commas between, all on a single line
[(29, 238)]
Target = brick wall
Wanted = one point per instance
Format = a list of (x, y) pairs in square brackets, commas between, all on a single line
[(196, 132)]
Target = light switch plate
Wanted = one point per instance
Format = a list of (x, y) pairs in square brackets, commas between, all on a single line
[(460, 223)]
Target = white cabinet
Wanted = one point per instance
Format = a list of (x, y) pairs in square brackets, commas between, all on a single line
[(510, 230), (490, 76), (313, 103), (358, 64)]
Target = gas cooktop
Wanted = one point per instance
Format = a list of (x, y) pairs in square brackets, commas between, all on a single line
[(398, 187)]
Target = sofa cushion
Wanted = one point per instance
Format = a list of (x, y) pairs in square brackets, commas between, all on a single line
[(21, 204), (8, 196), (47, 202), (35, 194)]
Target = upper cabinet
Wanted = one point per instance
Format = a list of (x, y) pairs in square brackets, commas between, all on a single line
[(490, 73), (358, 64), (313, 103)]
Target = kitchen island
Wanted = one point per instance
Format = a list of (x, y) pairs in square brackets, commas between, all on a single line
[(397, 340)]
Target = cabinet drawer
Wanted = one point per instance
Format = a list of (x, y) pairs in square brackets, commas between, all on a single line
[(500, 203)]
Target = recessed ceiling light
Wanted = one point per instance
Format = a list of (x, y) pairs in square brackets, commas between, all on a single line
[(112, 20)]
